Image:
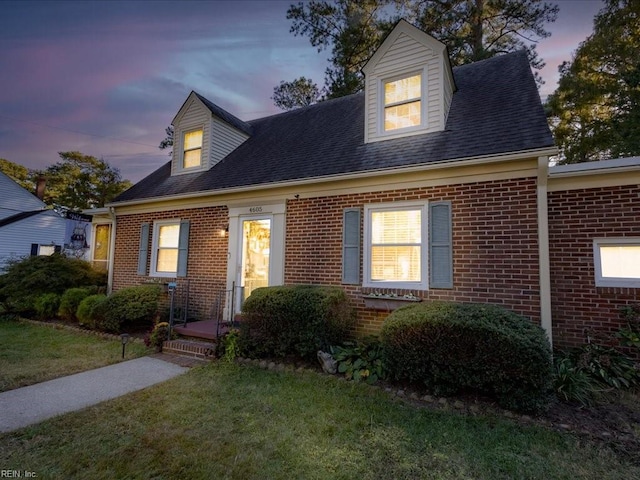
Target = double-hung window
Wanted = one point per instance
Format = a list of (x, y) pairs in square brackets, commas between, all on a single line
[(617, 262), (402, 102), (192, 149), (396, 246), (169, 248)]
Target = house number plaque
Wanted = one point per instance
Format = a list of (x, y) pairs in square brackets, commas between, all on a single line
[(255, 209)]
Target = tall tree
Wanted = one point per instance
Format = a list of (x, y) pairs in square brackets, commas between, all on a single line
[(81, 181), (595, 111), (471, 29), (478, 29), (301, 92), (18, 173), (351, 29)]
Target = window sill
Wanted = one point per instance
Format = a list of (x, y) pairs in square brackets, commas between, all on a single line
[(387, 303)]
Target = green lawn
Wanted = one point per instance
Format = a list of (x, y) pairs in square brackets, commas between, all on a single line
[(32, 353), (226, 421)]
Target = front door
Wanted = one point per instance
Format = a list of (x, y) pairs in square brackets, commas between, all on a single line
[(254, 255)]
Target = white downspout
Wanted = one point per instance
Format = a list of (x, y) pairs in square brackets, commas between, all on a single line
[(546, 321), (112, 248)]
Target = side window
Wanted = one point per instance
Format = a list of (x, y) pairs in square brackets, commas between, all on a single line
[(617, 262)]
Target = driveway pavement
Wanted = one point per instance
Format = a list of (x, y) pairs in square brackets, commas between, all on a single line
[(28, 405)]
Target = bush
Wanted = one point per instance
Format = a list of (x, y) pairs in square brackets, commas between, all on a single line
[(456, 348), (47, 305), (88, 309), (573, 384), (158, 335), (70, 301), (362, 360), (294, 320), (24, 281), (132, 307)]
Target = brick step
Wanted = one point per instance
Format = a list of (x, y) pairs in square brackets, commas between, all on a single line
[(190, 348)]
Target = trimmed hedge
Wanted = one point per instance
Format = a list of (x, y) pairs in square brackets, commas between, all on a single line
[(87, 309), (294, 320), (25, 280), (129, 307), (47, 305), (456, 348), (70, 301)]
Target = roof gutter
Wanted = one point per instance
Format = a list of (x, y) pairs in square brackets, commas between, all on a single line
[(468, 161)]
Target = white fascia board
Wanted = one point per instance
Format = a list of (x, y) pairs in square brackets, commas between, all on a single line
[(460, 162), (595, 168)]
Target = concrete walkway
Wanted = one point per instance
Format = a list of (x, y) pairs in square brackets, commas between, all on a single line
[(28, 405)]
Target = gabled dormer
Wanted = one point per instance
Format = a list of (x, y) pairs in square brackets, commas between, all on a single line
[(203, 135), (409, 85)]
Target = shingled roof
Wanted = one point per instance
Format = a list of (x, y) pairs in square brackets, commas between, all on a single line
[(495, 110)]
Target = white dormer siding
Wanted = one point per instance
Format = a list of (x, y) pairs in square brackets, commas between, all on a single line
[(219, 138), (407, 52)]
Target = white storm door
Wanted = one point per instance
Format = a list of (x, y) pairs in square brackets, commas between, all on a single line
[(255, 255)]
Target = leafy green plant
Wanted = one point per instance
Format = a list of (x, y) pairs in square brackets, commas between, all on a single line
[(131, 307), (230, 347), (47, 305), (294, 320), (629, 335), (158, 335), (25, 280), (606, 365), (455, 347), (88, 308), (70, 301), (361, 360), (572, 384)]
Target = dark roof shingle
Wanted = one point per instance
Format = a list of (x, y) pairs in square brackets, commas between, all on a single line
[(495, 110)]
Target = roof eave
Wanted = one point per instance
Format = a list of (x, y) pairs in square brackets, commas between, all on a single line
[(462, 162)]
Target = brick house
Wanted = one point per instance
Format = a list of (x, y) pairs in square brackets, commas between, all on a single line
[(433, 183)]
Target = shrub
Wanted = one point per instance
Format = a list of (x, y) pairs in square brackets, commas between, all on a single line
[(607, 366), (88, 310), (362, 360), (455, 348), (572, 384), (133, 307), (24, 281), (294, 320), (629, 335), (70, 301), (47, 305), (158, 335)]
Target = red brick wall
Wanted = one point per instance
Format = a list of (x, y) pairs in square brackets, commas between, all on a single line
[(207, 262), (576, 217), (495, 244)]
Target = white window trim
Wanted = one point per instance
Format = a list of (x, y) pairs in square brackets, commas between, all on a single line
[(154, 245), (423, 102), (602, 281), (183, 133), (424, 273)]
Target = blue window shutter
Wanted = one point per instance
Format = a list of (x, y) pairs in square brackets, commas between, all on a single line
[(183, 248), (143, 249), (351, 246), (34, 249), (440, 245)]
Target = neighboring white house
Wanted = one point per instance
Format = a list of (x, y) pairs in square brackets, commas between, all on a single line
[(27, 227)]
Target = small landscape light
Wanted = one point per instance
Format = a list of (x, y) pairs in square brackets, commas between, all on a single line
[(124, 339)]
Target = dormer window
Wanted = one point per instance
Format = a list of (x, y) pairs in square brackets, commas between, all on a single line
[(403, 103), (192, 149)]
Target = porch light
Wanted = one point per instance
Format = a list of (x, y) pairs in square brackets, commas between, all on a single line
[(223, 232), (124, 339)]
